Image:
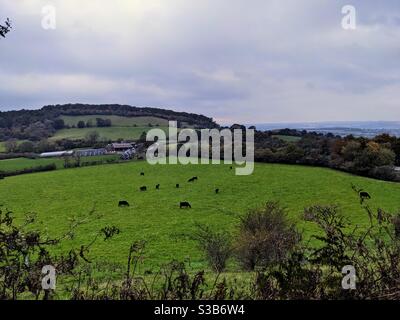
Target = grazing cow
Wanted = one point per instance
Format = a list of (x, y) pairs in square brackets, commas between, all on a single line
[(144, 188), (216, 191), (364, 196), (177, 185), (231, 167), (142, 173), (193, 179), (184, 204), (158, 186), (123, 203)]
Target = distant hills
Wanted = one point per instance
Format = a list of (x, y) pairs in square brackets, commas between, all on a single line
[(342, 128), (130, 111), (45, 122)]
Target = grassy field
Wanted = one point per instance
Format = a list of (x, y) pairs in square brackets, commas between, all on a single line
[(23, 163), (287, 138), (154, 216), (108, 133), (126, 128), (116, 121)]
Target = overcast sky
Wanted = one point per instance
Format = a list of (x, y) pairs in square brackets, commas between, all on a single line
[(248, 61)]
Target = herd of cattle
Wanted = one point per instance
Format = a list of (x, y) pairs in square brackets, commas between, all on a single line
[(182, 205)]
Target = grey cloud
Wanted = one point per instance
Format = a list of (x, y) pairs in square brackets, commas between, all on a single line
[(237, 60)]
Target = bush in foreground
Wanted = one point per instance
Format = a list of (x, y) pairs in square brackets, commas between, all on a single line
[(215, 245), (265, 237)]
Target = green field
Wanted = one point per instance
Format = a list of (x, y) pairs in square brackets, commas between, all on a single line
[(287, 138), (24, 163), (155, 216), (107, 133), (126, 128), (116, 121)]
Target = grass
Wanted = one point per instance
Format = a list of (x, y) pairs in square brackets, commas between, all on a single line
[(108, 133), (24, 163), (287, 138), (154, 216), (116, 121), (126, 128)]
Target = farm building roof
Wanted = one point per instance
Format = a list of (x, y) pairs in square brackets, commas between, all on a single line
[(91, 150), (56, 154), (121, 145)]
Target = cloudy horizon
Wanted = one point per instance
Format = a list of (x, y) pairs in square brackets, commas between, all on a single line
[(236, 61)]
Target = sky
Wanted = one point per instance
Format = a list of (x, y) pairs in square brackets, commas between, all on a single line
[(246, 61)]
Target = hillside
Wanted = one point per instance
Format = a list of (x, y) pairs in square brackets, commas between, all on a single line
[(126, 128), (155, 216), (109, 133), (44, 123), (117, 121)]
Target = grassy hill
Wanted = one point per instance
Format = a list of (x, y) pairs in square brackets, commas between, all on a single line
[(107, 133), (31, 124), (155, 216), (116, 121), (127, 128)]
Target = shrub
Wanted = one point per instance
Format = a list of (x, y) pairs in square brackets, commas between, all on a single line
[(265, 237), (23, 253), (216, 246)]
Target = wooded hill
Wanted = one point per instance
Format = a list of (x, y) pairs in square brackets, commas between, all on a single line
[(42, 123)]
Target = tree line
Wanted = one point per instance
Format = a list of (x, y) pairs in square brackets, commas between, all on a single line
[(374, 158)]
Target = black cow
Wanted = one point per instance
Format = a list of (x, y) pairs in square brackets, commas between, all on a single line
[(363, 196), (158, 186), (177, 185), (184, 204), (123, 203), (144, 188), (216, 191), (231, 167), (193, 179), (142, 173)]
